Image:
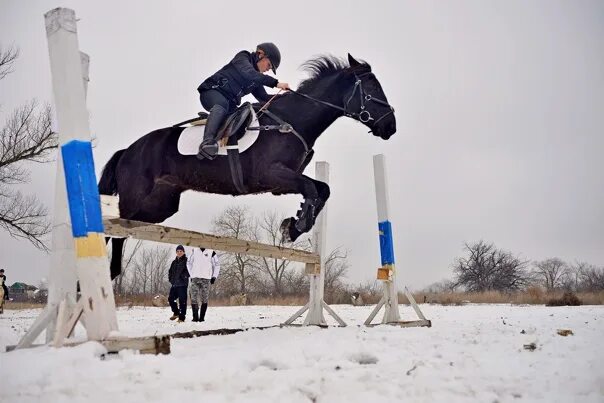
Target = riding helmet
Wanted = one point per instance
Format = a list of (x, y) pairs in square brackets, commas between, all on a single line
[(272, 52)]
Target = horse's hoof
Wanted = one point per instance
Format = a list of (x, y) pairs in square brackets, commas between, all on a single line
[(289, 232), (285, 229)]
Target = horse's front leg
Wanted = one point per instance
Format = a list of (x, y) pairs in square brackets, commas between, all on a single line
[(315, 193)]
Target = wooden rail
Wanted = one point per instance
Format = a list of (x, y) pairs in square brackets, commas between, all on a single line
[(119, 227)]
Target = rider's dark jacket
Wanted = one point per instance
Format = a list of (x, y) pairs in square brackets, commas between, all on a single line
[(240, 77)]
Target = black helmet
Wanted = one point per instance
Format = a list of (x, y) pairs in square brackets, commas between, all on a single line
[(272, 52)]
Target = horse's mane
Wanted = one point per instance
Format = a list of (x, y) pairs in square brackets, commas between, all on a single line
[(324, 66)]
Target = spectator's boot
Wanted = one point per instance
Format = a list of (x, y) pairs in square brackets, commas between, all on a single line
[(174, 316), (209, 146), (202, 312), (195, 309)]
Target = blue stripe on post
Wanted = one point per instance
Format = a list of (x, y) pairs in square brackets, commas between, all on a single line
[(386, 243), (82, 190)]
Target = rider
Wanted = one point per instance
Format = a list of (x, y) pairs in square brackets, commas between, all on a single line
[(221, 93)]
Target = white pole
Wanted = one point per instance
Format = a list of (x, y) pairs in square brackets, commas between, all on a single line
[(85, 62), (317, 281), (391, 313), (72, 116), (92, 265), (69, 71), (316, 303)]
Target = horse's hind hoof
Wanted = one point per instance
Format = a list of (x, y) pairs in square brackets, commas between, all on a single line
[(289, 233), (285, 227)]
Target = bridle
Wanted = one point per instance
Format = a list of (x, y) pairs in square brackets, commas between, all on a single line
[(363, 115)]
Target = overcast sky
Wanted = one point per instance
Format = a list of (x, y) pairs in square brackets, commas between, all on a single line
[(499, 107)]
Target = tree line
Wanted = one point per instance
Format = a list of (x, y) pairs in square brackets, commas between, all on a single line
[(484, 267)]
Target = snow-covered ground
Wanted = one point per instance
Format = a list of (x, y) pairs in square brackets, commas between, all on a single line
[(472, 353)]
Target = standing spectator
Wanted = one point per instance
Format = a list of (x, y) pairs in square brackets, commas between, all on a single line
[(178, 275), (204, 268), (3, 281)]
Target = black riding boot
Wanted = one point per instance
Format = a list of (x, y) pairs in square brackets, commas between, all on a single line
[(195, 309), (209, 146), (202, 312)]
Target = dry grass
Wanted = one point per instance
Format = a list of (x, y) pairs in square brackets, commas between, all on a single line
[(257, 300), (591, 298), (22, 305), (532, 296), (142, 300)]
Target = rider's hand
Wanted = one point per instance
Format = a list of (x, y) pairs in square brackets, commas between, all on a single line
[(283, 86)]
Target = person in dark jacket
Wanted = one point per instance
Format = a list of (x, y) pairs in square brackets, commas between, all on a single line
[(221, 93), (3, 281), (178, 275)]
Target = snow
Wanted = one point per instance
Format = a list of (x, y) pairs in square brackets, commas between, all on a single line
[(472, 353)]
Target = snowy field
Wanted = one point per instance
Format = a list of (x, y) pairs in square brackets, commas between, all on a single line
[(472, 353)]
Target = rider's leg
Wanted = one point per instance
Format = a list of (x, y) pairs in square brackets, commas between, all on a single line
[(218, 106)]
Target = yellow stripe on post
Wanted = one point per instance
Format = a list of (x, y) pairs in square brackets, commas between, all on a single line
[(92, 245)]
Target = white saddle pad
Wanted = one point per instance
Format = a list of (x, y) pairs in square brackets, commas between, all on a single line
[(191, 137)]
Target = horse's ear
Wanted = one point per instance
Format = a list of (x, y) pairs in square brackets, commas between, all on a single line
[(352, 61)]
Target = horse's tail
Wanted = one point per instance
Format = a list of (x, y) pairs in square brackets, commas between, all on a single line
[(117, 246), (108, 181)]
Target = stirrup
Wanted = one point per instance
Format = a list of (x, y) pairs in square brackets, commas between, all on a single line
[(202, 153)]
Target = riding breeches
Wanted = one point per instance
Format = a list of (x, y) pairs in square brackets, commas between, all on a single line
[(210, 98)]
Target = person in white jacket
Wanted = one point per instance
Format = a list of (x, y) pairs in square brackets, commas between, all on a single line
[(203, 268)]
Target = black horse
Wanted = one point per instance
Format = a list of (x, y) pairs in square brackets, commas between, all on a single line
[(150, 175)]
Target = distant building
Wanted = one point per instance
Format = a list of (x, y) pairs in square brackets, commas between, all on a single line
[(23, 292)]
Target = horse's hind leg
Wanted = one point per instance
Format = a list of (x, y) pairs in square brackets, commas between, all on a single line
[(324, 193), (149, 200), (315, 193), (161, 203), (131, 196)]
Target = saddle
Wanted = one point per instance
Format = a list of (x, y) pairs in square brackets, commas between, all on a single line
[(234, 125), (233, 129), (229, 134)]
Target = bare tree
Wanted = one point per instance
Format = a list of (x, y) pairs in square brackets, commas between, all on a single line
[(25, 137), (149, 274), (488, 268), (237, 269), (269, 231), (7, 59), (295, 282), (552, 273), (127, 263), (442, 286), (590, 277), (160, 263), (336, 269)]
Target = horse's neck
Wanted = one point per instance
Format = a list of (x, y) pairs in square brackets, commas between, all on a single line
[(311, 118)]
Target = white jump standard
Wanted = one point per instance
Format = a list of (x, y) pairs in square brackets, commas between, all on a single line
[(387, 272), (316, 303), (78, 247)]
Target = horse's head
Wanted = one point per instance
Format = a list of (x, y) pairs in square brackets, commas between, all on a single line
[(367, 103)]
